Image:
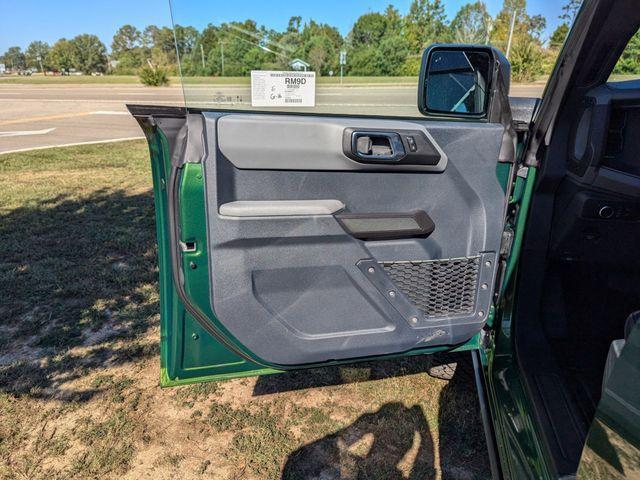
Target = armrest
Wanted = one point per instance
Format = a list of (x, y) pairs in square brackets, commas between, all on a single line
[(387, 226)]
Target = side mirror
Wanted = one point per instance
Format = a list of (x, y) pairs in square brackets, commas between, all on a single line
[(461, 80)]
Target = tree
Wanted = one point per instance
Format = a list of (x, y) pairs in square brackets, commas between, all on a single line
[(318, 53), (502, 24), (126, 48), (246, 47), (426, 23), (319, 45), (526, 54), (388, 58), (570, 10), (126, 39), (368, 30), (471, 24), (395, 50), (62, 55), (558, 36), (366, 62), (14, 58), (294, 24), (186, 39), (526, 61), (377, 43), (159, 46), (90, 54), (394, 20), (526, 28), (36, 55)]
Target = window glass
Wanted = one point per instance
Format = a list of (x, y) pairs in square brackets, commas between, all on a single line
[(348, 57), (628, 65)]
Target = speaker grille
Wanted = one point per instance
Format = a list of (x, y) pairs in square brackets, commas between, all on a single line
[(437, 287)]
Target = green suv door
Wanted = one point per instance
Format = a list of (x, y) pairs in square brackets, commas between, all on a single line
[(293, 240)]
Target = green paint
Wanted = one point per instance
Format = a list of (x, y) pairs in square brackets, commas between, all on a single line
[(520, 225), (503, 173), (522, 453), (185, 359)]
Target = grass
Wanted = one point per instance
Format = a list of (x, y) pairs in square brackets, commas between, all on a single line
[(174, 80), (79, 395), (68, 80)]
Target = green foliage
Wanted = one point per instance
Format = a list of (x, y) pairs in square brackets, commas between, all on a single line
[(368, 30), (14, 59), (411, 66), (522, 31), (629, 61), (426, 23), (159, 47), (471, 24), (154, 76), (526, 61), (387, 59), (378, 46), (37, 50), (90, 54), (126, 49), (558, 36), (62, 55), (126, 39)]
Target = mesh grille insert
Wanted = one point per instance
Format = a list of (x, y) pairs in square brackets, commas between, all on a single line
[(437, 287)]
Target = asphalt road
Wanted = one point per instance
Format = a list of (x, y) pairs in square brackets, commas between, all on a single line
[(41, 116)]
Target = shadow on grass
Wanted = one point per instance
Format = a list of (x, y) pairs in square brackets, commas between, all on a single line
[(75, 272), (397, 441), (325, 377), (386, 436)]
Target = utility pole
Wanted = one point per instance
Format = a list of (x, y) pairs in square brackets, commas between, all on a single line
[(202, 55), (513, 24), (222, 56)]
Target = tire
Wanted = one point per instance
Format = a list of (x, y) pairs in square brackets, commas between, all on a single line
[(446, 366)]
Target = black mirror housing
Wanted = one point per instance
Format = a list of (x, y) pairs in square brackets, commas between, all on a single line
[(463, 81)]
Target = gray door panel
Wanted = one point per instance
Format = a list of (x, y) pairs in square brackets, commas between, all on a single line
[(304, 143), (298, 289)]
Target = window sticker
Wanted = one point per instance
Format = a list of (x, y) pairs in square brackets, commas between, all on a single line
[(271, 88)]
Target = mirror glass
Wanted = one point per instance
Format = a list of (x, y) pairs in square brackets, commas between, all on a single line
[(458, 82)]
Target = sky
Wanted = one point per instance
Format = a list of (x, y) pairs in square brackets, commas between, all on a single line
[(26, 20)]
